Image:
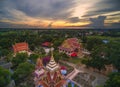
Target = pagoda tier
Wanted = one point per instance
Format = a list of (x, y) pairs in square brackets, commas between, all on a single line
[(52, 65)]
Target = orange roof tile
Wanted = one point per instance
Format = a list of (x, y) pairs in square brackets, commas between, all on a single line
[(20, 47)]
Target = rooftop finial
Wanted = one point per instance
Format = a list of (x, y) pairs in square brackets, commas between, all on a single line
[(52, 53), (39, 63)]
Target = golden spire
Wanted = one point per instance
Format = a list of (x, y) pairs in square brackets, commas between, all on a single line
[(39, 62), (52, 57)]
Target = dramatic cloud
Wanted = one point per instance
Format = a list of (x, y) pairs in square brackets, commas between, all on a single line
[(74, 19), (58, 13), (49, 9), (98, 22), (103, 7)]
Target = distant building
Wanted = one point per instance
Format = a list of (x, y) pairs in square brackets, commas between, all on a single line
[(21, 47), (46, 44), (49, 75)]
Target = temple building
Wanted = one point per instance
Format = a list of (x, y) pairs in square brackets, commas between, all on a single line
[(46, 44), (73, 48), (21, 47), (49, 75), (69, 46)]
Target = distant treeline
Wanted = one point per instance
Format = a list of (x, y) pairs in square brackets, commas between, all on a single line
[(61, 29)]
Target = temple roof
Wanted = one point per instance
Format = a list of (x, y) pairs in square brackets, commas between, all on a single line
[(20, 47), (70, 44), (46, 44), (52, 65)]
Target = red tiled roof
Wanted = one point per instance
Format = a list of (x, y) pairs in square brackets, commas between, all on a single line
[(20, 47), (76, 44), (46, 44), (73, 42)]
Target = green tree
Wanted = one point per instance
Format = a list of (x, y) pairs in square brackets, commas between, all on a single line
[(22, 72), (114, 80), (57, 42), (19, 58), (114, 54), (99, 57), (39, 50), (5, 77), (57, 56), (4, 52), (92, 42), (33, 57)]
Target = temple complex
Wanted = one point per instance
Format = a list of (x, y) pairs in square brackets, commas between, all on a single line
[(49, 75)]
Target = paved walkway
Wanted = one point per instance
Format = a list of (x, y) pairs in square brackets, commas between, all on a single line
[(100, 79), (73, 74)]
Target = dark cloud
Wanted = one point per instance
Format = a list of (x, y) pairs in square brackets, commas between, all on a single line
[(74, 19), (114, 25), (104, 6), (9, 25), (5, 25), (51, 9), (98, 22), (12, 25)]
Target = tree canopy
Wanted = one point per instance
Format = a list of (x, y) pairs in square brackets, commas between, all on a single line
[(19, 58), (5, 77), (22, 72), (114, 80)]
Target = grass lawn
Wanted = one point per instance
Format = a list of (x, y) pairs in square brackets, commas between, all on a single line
[(75, 60)]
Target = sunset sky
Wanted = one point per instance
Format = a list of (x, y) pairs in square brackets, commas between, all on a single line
[(59, 13)]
